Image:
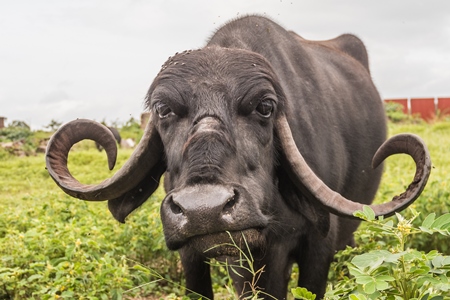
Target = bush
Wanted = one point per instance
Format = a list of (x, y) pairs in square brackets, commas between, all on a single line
[(14, 133), (131, 129), (19, 140), (393, 270), (395, 114)]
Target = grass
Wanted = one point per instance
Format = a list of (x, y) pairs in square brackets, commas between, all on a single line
[(71, 248), (54, 246)]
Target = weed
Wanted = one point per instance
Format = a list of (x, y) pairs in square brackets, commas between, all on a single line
[(395, 271), (244, 263)]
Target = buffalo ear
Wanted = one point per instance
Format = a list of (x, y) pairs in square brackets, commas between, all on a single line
[(316, 214), (122, 206)]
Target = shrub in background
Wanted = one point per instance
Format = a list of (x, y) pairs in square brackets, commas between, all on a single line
[(16, 131), (394, 112)]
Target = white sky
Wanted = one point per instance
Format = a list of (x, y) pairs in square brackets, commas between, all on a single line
[(96, 59)]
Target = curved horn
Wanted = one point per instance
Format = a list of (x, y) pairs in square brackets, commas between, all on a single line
[(333, 201), (146, 155)]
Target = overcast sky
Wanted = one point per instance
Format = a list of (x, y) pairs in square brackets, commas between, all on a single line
[(96, 59)]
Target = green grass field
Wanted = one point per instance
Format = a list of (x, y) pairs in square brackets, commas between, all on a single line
[(54, 246)]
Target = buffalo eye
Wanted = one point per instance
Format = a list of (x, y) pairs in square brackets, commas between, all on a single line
[(265, 108), (163, 110)]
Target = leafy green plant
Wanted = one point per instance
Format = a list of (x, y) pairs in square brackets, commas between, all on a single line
[(303, 294), (398, 272)]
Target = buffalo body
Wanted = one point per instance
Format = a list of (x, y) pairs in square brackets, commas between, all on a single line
[(266, 141)]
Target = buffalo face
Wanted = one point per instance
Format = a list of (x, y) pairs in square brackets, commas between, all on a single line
[(215, 113)]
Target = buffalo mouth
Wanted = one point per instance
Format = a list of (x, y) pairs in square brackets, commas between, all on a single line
[(228, 243)]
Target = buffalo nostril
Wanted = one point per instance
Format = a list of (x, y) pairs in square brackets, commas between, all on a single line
[(231, 202), (176, 209)]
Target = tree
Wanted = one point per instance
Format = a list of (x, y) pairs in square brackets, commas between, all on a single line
[(53, 126)]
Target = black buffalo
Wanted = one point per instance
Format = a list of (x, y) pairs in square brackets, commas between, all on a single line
[(262, 137)]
